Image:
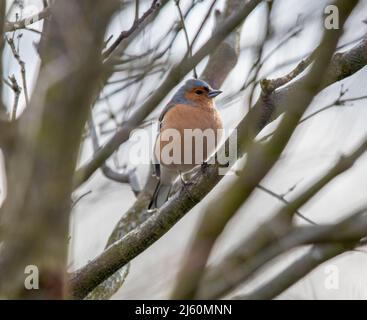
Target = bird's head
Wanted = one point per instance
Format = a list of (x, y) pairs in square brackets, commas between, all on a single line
[(196, 91)]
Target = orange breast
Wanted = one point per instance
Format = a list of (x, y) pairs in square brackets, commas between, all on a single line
[(194, 146)]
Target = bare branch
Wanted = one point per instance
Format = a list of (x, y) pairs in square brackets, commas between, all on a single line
[(257, 65), (22, 24), (189, 50), (282, 199), (21, 63), (203, 24), (78, 199), (122, 177), (338, 102), (269, 86), (297, 270), (3, 111), (137, 22), (13, 84), (269, 232), (45, 153)]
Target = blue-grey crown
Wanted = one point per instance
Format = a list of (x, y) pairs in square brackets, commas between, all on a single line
[(192, 83)]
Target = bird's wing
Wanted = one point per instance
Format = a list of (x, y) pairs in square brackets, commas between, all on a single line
[(168, 106), (156, 165)]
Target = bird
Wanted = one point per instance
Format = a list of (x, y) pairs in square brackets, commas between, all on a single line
[(191, 107)]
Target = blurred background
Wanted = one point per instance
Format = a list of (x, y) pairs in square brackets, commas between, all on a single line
[(317, 143)]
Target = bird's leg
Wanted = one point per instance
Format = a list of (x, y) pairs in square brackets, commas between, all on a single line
[(183, 181), (185, 184), (204, 165)]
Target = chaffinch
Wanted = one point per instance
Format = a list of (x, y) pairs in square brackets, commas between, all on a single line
[(192, 107)]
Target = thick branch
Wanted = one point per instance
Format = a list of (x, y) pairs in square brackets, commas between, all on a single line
[(46, 150), (2, 21)]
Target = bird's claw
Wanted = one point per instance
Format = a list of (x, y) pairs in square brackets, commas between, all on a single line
[(204, 165), (185, 183)]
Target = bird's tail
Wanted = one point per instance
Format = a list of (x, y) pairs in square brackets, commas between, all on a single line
[(160, 195)]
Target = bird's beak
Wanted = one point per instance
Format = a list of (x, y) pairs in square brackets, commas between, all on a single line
[(214, 93)]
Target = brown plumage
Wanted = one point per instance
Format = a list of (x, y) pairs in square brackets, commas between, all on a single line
[(192, 108), (183, 117)]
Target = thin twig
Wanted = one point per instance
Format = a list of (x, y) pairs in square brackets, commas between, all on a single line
[(125, 34), (125, 177), (285, 201), (13, 84), (230, 98), (189, 49), (257, 65), (338, 102), (269, 86), (206, 18), (21, 63), (77, 200), (22, 24), (296, 270), (137, 3)]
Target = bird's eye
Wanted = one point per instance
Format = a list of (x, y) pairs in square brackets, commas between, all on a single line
[(199, 91)]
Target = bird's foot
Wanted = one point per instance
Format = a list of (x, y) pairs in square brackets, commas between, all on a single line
[(204, 165), (184, 182), (185, 185)]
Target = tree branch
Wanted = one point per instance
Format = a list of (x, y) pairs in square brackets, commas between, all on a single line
[(297, 270), (246, 258), (22, 24), (122, 177), (282, 199), (3, 111), (260, 160), (21, 63), (13, 85), (125, 34), (46, 150)]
